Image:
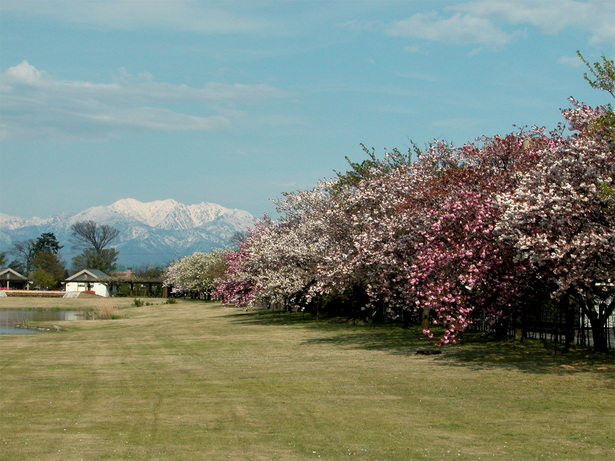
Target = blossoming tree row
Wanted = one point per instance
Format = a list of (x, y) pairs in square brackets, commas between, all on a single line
[(448, 235)]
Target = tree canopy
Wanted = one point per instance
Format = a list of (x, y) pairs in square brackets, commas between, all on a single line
[(40, 259), (93, 238), (195, 275), (93, 235), (47, 242), (451, 235)]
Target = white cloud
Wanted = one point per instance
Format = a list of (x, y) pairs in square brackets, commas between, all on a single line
[(414, 49), (36, 105), (23, 73), (491, 23), (422, 76), (596, 17), (570, 61), (185, 15), (459, 28)]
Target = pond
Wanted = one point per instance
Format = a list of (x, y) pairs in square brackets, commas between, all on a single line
[(11, 317)]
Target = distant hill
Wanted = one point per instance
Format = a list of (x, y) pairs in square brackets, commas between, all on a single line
[(150, 233)]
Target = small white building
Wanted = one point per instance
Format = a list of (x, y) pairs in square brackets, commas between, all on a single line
[(89, 280)]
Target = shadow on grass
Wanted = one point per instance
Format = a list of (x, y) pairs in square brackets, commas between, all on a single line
[(530, 356), (476, 351)]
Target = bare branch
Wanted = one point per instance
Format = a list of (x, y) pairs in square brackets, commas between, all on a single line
[(92, 235)]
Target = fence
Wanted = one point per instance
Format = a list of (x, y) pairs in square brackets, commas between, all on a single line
[(551, 325)]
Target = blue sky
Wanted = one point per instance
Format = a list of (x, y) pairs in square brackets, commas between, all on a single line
[(235, 102)]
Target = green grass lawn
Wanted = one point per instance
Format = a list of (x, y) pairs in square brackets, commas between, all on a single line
[(194, 380)]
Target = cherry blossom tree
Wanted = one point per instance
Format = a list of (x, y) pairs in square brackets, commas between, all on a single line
[(276, 263), (419, 234), (196, 274), (236, 285), (357, 271), (561, 219)]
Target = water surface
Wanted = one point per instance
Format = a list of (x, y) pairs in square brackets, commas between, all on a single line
[(11, 317)]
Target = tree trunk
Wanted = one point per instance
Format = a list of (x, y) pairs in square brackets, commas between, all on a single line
[(598, 330), (425, 319), (518, 323), (598, 312), (500, 329), (569, 325)]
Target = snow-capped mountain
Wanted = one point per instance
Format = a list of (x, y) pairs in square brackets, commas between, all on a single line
[(150, 233)]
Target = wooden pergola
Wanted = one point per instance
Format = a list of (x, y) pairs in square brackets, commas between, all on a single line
[(132, 280)]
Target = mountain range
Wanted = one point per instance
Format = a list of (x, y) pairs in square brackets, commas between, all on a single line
[(151, 233)]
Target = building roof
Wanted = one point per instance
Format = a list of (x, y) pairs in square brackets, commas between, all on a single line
[(88, 275), (11, 274)]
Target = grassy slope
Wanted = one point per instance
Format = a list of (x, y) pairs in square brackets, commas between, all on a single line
[(196, 381)]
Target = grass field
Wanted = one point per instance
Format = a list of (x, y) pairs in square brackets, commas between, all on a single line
[(194, 380)]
